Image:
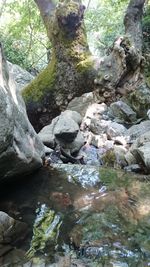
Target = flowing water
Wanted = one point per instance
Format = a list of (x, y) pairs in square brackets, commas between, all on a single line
[(80, 215)]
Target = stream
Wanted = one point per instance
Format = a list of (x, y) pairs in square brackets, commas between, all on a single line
[(78, 215)]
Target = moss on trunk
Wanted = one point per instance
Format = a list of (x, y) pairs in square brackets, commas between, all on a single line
[(70, 72)]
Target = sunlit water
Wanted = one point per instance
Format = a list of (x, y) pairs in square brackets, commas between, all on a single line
[(99, 217)]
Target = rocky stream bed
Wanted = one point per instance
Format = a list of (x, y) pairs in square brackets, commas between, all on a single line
[(74, 215)]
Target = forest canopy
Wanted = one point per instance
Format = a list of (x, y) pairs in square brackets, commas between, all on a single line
[(25, 40)]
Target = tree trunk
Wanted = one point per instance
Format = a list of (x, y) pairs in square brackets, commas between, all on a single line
[(121, 72), (70, 72)]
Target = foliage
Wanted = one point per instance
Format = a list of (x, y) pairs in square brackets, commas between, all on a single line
[(103, 28), (24, 37), (23, 34)]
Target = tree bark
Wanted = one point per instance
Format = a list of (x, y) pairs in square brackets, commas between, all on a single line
[(132, 22), (121, 72), (70, 72)]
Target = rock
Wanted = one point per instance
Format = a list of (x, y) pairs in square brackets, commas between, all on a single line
[(46, 135), (90, 155), (141, 150), (115, 129), (96, 110), (73, 115), (148, 114), (63, 134), (120, 152), (80, 174), (97, 140), (21, 150), (14, 258), (74, 147), (144, 153), (48, 150), (122, 112), (97, 126), (140, 100), (130, 158), (95, 117), (66, 129), (80, 104), (133, 168), (11, 231), (67, 124), (136, 130), (21, 76)]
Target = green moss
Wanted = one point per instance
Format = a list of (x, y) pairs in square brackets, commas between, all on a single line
[(66, 8), (85, 64), (44, 82), (139, 100), (114, 179), (45, 231), (109, 158)]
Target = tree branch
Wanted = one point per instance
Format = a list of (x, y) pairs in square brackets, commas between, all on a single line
[(46, 7), (132, 22)]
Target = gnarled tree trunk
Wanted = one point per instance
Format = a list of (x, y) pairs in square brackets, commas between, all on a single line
[(70, 71), (121, 72)]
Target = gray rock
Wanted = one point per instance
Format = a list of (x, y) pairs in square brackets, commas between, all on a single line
[(90, 155), (121, 111), (74, 146), (141, 150), (140, 100), (148, 114), (97, 126), (21, 76), (73, 115), (130, 159), (11, 230), (48, 150), (120, 155), (46, 135), (136, 130), (144, 153), (80, 104), (97, 140), (64, 132), (95, 116), (21, 150), (133, 168), (66, 129), (115, 129)]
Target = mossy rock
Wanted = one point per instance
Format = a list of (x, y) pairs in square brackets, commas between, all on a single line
[(140, 100)]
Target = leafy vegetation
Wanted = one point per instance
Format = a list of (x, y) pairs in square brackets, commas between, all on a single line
[(102, 27), (24, 36)]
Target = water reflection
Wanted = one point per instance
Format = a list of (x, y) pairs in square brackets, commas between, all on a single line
[(100, 216)]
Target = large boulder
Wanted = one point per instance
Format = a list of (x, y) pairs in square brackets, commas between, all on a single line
[(21, 150), (21, 76)]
